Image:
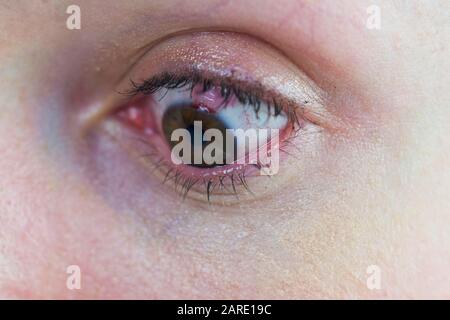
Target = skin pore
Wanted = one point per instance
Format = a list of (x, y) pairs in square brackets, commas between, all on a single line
[(374, 192)]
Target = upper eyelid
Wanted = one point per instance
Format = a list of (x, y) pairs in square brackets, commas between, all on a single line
[(308, 96), (140, 52)]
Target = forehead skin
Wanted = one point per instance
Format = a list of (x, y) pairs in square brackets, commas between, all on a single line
[(386, 197)]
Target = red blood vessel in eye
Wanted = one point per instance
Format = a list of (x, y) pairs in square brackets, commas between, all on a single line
[(138, 115), (210, 101)]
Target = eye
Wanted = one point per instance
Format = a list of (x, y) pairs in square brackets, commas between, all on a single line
[(216, 88), (169, 102)]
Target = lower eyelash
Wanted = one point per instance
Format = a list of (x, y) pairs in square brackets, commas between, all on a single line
[(235, 179), (183, 184), (231, 182)]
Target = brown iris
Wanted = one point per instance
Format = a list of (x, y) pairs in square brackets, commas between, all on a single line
[(183, 117)]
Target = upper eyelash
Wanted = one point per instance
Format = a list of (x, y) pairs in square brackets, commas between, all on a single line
[(252, 95)]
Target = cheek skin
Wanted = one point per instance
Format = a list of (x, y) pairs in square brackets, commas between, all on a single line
[(385, 189)]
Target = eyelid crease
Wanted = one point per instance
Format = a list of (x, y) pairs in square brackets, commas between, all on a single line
[(137, 54)]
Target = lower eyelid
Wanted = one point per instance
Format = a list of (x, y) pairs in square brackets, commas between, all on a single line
[(228, 178), (228, 53), (128, 159), (133, 149)]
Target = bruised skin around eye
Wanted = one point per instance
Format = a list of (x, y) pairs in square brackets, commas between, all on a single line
[(376, 195)]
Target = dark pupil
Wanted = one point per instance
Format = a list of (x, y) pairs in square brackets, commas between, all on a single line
[(183, 117)]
